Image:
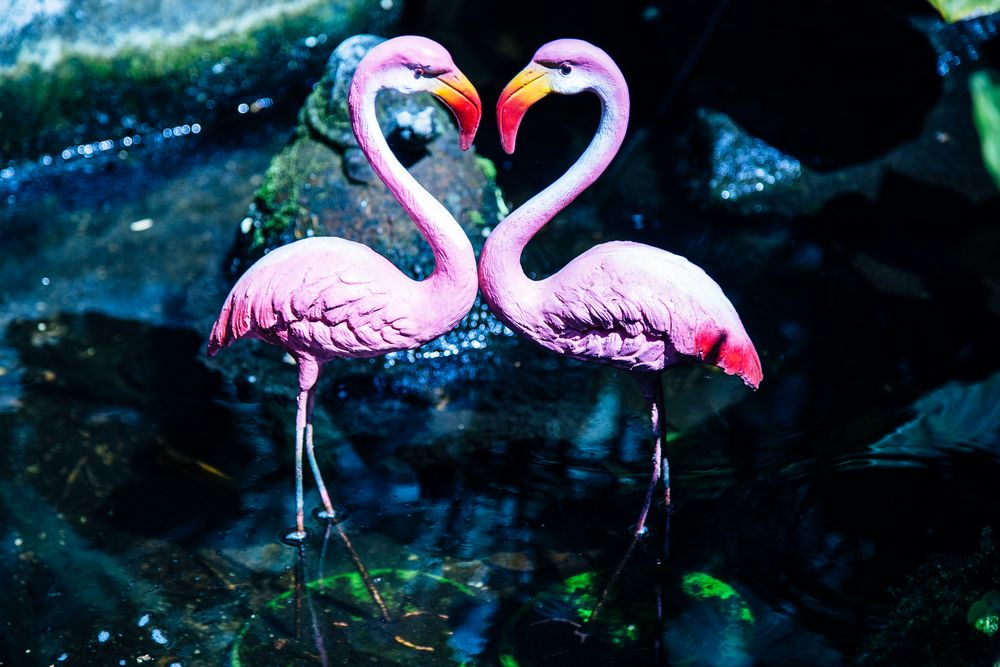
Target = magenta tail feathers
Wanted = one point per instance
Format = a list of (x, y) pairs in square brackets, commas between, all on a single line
[(734, 354), (745, 364)]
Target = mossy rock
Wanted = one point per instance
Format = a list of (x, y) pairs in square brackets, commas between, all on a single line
[(321, 183), (715, 628), (92, 70)]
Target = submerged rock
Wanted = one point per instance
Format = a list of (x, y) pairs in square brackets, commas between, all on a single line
[(953, 417), (76, 71), (716, 628)]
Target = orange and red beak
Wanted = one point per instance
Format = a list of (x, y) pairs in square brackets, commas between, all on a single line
[(531, 85), (456, 91)]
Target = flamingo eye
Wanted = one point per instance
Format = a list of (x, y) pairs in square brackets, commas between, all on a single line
[(418, 72), (565, 69)]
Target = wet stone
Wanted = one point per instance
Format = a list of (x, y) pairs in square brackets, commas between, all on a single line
[(744, 167), (320, 184), (727, 167), (786, 76)]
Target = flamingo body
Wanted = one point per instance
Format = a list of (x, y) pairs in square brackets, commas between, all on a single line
[(327, 298), (637, 308), (627, 305)]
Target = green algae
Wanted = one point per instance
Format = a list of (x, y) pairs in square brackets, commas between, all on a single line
[(555, 627), (582, 588), (278, 200), (257, 636), (703, 586), (984, 614), (493, 199), (716, 626), (580, 583)]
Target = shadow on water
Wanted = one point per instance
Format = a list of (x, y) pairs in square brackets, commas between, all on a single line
[(116, 380), (101, 468)]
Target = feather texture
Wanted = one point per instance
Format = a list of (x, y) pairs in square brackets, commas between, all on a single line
[(326, 296)]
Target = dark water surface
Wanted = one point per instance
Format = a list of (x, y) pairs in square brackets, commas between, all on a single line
[(143, 487)]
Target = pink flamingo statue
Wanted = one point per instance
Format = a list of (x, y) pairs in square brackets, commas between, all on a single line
[(329, 298), (624, 304)]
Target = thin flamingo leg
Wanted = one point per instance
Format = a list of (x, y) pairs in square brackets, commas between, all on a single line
[(661, 430), (308, 373), (651, 387), (299, 534), (640, 526), (328, 508), (311, 453)]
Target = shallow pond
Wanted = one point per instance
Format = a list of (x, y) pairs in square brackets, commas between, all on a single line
[(143, 487)]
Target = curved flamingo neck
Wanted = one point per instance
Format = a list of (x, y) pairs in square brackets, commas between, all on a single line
[(505, 286), (454, 260)]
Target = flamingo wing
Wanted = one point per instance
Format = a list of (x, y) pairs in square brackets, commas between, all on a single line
[(327, 296), (641, 308)]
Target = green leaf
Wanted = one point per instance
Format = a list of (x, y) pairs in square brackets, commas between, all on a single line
[(985, 89), (959, 10)]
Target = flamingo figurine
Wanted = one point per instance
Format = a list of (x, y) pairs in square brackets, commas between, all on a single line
[(627, 305), (326, 298)]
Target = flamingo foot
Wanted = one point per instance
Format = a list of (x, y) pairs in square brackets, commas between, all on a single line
[(323, 515), (294, 537)]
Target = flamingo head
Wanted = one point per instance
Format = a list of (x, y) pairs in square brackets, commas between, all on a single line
[(412, 64), (564, 66)]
